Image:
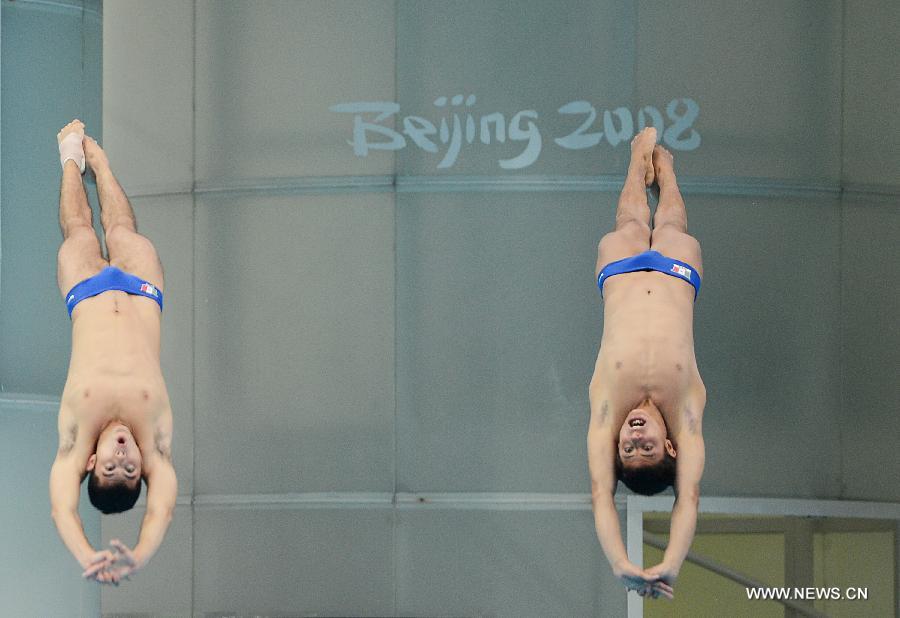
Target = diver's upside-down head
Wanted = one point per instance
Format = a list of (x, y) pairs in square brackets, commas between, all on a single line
[(114, 470), (645, 457)]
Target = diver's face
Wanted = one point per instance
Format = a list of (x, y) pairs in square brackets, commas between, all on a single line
[(642, 438), (118, 458)]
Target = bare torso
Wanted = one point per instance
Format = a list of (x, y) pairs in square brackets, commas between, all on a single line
[(114, 373), (647, 349)]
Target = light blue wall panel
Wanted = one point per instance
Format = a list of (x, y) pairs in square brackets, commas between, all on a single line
[(871, 393), (531, 56), (499, 320), (767, 337), (40, 577), (51, 74), (502, 563), (766, 77), (148, 79), (266, 76), (871, 129), (871, 262), (294, 343), (289, 562)]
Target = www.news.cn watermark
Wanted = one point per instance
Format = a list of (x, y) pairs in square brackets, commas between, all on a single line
[(851, 593)]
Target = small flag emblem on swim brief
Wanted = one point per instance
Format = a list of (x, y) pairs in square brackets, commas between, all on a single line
[(148, 288), (681, 270)]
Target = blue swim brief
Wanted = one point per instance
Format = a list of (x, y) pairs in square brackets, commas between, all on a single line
[(651, 260), (111, 278)]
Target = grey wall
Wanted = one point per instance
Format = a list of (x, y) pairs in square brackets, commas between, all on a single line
[(345, 335), (870, 256)]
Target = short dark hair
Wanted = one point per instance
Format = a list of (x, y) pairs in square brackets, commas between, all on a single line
[(112, 497), (647, 480)]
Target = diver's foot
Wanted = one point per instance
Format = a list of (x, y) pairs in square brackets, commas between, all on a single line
[(71, 148), (642, 154), (96, 157), (663, 165)]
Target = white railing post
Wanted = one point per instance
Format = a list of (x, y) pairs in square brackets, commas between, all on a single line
[(634, 544)]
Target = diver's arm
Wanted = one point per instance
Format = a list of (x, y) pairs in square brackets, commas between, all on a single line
[(162, 489), (601, 458), (603, 487), (602, 444), (65, 486), (684, 513), (690, 461)]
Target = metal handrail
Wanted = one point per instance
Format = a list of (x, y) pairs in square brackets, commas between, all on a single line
[(720, 569)]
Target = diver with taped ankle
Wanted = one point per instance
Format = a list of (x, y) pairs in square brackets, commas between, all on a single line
[(646, 394), (115, 419)]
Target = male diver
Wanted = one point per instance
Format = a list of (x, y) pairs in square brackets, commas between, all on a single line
[(646, 394), (115, 421)]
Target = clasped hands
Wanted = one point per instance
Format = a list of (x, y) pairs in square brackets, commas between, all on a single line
[(654, 582), (110, 566)]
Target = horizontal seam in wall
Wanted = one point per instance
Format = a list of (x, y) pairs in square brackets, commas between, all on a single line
[(538, 184), (64, 7), (757, 187)]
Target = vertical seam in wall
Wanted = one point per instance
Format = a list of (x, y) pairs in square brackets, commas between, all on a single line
[(634, 81), (634, 57), (83, 76), (840, 256), (394, 446), (1, 176), (193, 302)]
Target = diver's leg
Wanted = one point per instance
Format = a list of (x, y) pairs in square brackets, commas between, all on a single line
[(79, 255), (670, 210), (670, 235), (632, 233), (127, 249)]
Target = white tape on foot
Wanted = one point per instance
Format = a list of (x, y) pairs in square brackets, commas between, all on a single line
[(71, 148)]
